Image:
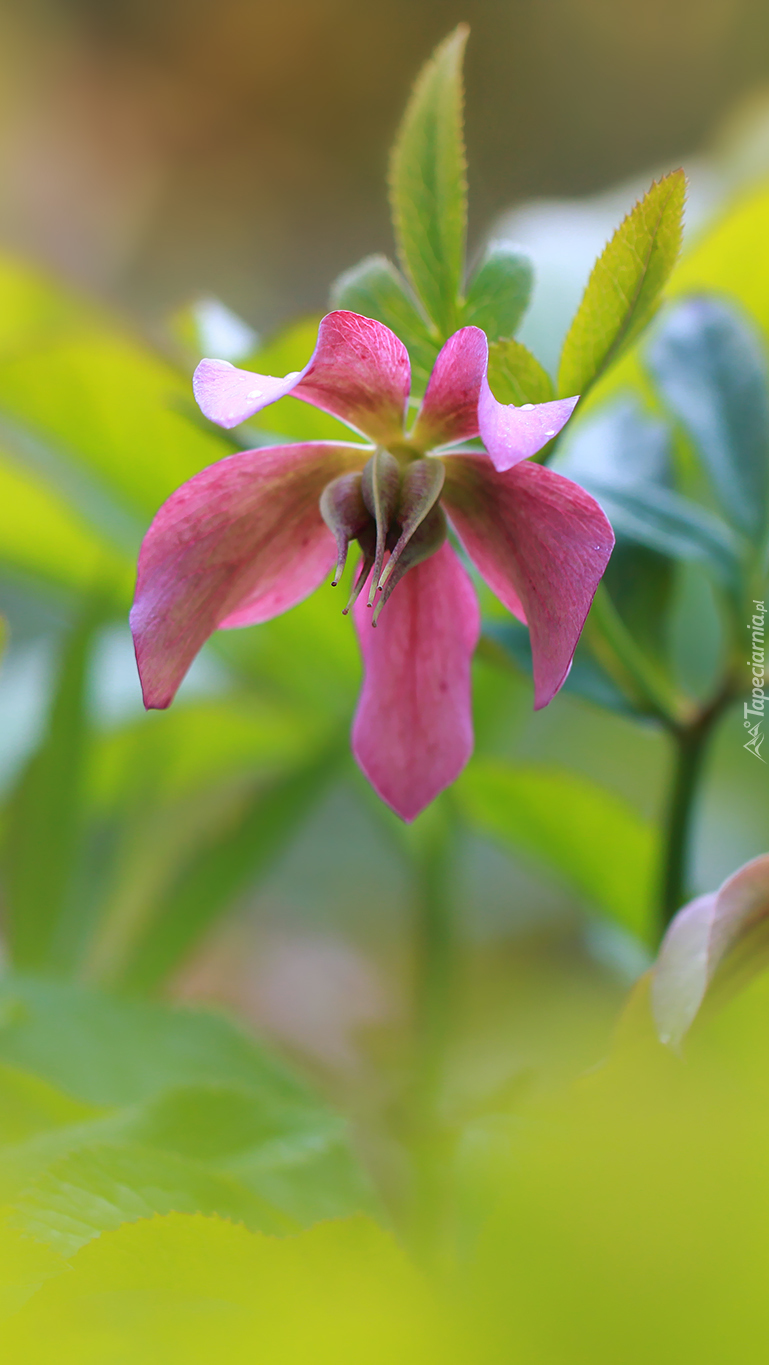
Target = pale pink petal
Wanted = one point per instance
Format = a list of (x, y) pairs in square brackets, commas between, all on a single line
[(240, 542), (412, 733), (512, 434), (229, 396), (359, 372), (449, 410), (542, 544), (699, 939)]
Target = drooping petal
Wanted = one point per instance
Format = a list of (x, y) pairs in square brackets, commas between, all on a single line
[(449, 410), (229, 396), (512, 434), (412, 732), (240, 542), (701, 938), (542, 544), (359, 372)]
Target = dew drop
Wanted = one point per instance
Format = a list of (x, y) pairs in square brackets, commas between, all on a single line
[(254, 393), (527, 407)]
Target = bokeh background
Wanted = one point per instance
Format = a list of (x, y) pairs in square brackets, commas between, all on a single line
[(158, 154)]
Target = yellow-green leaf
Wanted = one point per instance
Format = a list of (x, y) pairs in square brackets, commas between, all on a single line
[(516, 376), (624, 288)]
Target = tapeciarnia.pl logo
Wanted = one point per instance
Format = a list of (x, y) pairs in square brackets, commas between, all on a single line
[(754, 709)]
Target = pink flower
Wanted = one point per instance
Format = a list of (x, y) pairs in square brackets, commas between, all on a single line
[(253, 535)]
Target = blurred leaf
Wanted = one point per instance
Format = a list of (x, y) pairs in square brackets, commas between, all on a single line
[(44, 537), (596, 843), (428, 187), (516, 376), (93, 1190), (99, 401), (29, 1105), (672, 524), (624, 288), (217, 871), (720, 940), (24, 1265), (499, 292), (198, 1290), (44, 815), (712, 373), (507, 643), (376, 288), (103, 1050), (641, 584)]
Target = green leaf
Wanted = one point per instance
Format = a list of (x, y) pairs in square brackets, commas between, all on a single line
[(711, 371), (516, 376), (29, 1105), (499, 292), (44, 815), (625, 285), (377, 289), (594, 842), (428, 187), (96, 1189), (666, 521), (24, 1265), (103, 1050), (200, 1290)]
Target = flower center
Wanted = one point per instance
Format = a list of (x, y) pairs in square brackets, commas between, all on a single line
[(391, 506)]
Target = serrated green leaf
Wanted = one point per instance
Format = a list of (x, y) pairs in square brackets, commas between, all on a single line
[(516, 376), (376, 288), (625, 285), (29, 1105), (428, 185), (95, 1189), (24, 1266), (588, 836), (499, 292), (198, 1290)]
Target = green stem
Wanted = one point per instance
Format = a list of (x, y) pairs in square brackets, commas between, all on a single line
[(690, 743), (434, 1014)]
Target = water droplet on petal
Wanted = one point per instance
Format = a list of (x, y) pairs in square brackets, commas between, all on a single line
[(550, 433), (527, 407), (255, 393)]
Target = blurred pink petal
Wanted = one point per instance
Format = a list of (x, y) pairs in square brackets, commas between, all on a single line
[(512, 434), (240, 542), (698, 940), (542, 544), (412, 733), (359, 372), (449, 410)]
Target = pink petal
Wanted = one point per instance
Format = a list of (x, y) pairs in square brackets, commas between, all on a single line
[(698, 940), (511, 434), (449, 410), (412, 733), (542, 544), (359, 372), (229, 396), (240, 542)]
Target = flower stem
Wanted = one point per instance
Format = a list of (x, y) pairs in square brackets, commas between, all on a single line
[(690, 743), (434, 1016)]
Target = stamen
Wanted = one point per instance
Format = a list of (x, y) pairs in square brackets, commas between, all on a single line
[(420, 490), (367, 542), (427, 538), (380, 487)]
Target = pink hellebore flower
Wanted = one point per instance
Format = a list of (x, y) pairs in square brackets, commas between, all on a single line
[(253, 535)]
